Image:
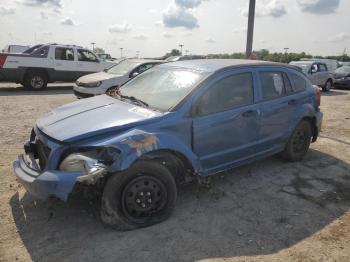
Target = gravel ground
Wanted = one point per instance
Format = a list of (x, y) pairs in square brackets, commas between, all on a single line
[(271, 210)]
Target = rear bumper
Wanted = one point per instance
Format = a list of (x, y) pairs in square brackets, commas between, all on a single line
[(318, 125), (44, 184)]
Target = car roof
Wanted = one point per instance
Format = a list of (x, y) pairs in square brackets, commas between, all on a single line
[(213, 65), (140, 60)]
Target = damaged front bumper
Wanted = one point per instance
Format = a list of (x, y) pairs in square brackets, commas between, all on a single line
[(45, 184)]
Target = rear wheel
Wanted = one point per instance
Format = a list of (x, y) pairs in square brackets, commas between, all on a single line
[(35, 80), (327, 87), (141, 196), (299, 142)]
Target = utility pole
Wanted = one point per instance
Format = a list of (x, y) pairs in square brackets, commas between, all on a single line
[(137, 54), (121, 52), (93, 46), (250, 31), (181, 46)]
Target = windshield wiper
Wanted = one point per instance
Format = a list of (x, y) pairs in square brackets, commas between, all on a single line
[(135, 100)]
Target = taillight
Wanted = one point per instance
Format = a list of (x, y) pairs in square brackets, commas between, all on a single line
[(2, 60), (318, 96)]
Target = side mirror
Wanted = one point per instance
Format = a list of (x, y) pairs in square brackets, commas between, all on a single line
[(134, 74)]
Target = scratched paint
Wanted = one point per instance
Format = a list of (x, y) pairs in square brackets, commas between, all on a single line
[(147, 142)]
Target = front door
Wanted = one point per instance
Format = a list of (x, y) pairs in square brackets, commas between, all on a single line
[(226, 122), (64, 64)]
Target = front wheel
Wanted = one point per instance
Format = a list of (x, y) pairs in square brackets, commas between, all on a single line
[(141, 196), (35, 80), (299, 142), (327, 87)]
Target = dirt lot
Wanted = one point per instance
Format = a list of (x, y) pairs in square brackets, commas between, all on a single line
[(267, 211)]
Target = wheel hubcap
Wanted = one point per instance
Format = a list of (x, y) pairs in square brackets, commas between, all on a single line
[(143, 197), (299, 141), (37, 82)]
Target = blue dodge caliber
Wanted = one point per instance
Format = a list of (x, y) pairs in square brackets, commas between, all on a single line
[(176, 120)]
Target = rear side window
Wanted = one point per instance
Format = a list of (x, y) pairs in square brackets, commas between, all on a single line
[(299, 83), (272, 85), (87, 56), (64, 54), (227, 93), (323, 68)]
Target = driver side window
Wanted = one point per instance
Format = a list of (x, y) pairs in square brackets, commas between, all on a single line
[(228, 93)]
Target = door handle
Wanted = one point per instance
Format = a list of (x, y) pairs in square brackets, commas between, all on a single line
[(249, 113), (292, 102)]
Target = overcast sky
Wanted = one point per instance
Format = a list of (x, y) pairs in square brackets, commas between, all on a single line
[(154, 27)]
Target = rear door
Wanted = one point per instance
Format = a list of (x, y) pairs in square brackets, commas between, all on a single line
[(226, 121), (87, 62), (64, 64), (277, 106), (324, 74)]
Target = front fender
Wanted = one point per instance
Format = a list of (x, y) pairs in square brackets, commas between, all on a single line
[(136, 143)]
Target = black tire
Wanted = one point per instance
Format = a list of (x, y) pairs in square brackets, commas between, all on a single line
[(126, 203), (299, 142), (327, 87), (35, 80)]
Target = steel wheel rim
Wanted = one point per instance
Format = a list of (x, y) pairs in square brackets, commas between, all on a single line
[(143, 197), (37, 82), (299, 141)]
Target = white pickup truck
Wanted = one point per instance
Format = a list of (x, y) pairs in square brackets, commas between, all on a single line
[(42, 64)]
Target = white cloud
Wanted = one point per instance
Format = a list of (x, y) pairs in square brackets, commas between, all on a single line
[(188, 3), (121, 28), (44, 15), (188, 34), (68, 21), (168, 35), (274, 8), (177, 16), (140, 37), (55, 3), (7, 10), (318, 6), (341, 37), (210, 41), (114, 41)]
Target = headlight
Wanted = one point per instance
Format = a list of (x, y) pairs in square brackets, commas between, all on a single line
[(76, 162), (91, 84)]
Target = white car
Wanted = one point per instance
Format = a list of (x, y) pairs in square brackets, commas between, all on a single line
[(42, 64), (109, 80)]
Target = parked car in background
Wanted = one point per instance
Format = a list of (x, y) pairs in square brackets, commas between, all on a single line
[(42, 64), (342, 77), (332, 64), (184, 57), (15, 48), (109, 80), (317, 72), (174, 122), (105, 57)]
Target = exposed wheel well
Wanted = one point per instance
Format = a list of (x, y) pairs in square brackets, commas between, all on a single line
[(41, 70), (176, 162), (312, 121)]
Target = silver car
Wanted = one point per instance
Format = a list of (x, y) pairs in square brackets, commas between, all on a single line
[(317, 72)]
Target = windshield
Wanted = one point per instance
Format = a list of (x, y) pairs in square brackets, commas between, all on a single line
[(162, 88), (343, 69), (123, 67), (304, 66)]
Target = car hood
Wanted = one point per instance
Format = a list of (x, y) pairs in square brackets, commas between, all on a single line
[(92, 116), (95, 77)]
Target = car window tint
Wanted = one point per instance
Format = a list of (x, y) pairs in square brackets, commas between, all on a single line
[(64, 53), (287, 84), (227, 93), (272, 85), (323, 68), (87, 56), (299, 83)]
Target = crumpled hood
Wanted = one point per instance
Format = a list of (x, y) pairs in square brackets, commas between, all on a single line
[(95, 77), (91, 116)]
